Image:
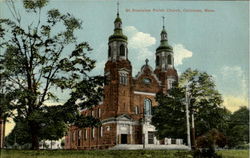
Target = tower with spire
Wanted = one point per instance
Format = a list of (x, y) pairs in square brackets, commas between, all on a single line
[(164, 63), (117, 46), (118, 72)]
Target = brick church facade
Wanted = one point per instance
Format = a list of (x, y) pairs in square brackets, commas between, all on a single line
[(125, 111)]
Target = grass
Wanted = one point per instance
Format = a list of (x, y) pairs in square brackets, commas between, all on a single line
[(95, 154), (234, 153), (113, 154)]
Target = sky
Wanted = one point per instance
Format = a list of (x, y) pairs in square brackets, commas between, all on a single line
[(216, 42)]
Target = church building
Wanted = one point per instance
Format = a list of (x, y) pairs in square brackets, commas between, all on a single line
[(126, 109)]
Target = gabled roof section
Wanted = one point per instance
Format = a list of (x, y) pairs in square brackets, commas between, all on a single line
[(147, 69), (124, 69), (124, 117)]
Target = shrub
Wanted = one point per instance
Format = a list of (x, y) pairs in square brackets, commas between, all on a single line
[(206, 144)]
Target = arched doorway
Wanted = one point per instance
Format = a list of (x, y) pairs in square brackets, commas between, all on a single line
[(147, 107)]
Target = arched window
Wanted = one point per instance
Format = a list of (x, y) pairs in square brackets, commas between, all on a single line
[(122, 50), (99, 112), (79, 134), (137, 111), (101, 131), (123, 78), (170, 83), (72, 136), (86, 134), (157, 60), (169, 60), (75, 135), (93, 132), (118, 25), (109, 53), (147, 107)]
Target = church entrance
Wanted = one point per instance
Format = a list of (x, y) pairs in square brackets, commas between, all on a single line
[(150, 137), (124, 139)]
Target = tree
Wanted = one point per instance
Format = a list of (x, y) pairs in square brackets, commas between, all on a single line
[(19, 135), (204, 102), (174, 124), (41, 58), (238, 128), (5, 110)]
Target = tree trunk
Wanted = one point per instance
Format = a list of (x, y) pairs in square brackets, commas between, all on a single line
[(35, 142), (1, 133), (34, 135), (4, 123), (51, 144), (193, 132)]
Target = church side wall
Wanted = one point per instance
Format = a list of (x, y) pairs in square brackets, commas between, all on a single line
[(91, 138)]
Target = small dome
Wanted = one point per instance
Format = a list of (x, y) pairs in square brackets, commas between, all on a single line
[(118, 35), (163, 30), (168, 48), (146, 66), (164, 46), (118, 19)]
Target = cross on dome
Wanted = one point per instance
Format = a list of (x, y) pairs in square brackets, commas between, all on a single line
[(118, 7), (163, 21), (146, 61)]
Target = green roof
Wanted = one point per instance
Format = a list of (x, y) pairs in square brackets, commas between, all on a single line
[(118, 35), (118, 19), (164, 43), (118, 38), (164, 46)]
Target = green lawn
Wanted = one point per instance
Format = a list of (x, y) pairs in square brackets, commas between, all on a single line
[(234, 153), (95, 154), (113, 154)]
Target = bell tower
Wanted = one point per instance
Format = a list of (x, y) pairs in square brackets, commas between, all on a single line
[(117, 46), (164, 62), (118, 72)]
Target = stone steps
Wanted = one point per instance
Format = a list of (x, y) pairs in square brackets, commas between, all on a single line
[(149, 147)]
